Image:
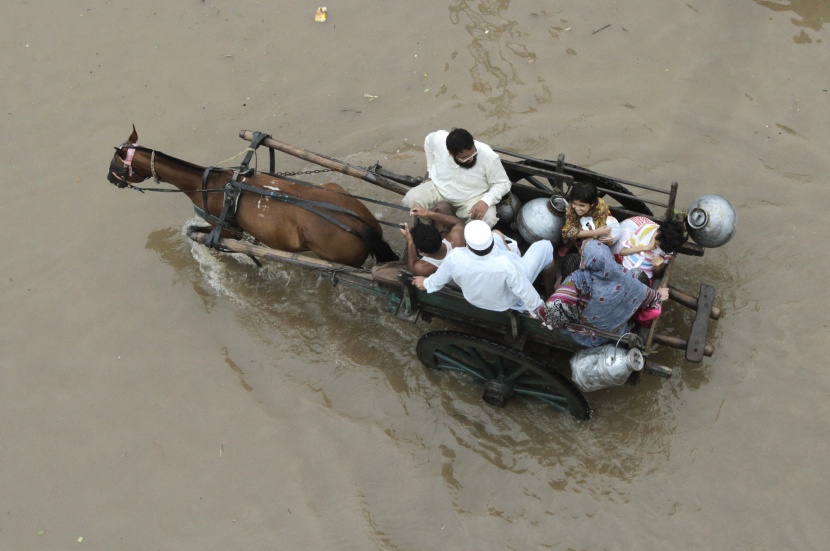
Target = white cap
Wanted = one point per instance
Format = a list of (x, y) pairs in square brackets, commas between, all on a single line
[(478, 235)]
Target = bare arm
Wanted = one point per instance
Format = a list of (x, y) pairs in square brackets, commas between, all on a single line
[(436, 281), (650, 246), (446, 219), (604, 231)]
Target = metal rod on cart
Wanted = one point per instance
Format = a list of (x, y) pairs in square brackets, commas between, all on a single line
[(327, 162), (526, 169), (672, 199), (579, 170)]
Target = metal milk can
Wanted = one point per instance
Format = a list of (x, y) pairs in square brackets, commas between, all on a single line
[(604, 366), (542, 218), (508, 208), (711, 221)]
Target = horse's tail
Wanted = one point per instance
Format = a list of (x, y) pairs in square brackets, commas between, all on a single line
[(378, 248)]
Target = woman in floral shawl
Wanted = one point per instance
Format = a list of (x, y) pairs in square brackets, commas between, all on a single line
[(599, 294)]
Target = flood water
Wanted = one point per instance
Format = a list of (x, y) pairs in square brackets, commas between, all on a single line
[(154, 395)]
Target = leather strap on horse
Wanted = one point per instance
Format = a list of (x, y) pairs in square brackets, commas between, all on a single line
[(232, 191), (368, 199), (311, 206), (228, 209), (203, 212), (255, 143)]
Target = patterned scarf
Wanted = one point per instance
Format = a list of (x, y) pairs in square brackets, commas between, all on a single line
[(602, 293)]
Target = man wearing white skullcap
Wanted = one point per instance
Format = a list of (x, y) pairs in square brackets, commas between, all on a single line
[(491, 276)]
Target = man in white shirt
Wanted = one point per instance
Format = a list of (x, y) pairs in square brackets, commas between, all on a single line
[(491, 276), (466, 173)]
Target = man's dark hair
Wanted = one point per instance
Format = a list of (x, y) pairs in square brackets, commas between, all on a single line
[(459, 140), (426, 237), (585, 193), (672, 235)]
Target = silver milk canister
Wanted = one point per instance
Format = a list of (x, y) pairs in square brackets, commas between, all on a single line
[(542, 218), (604, 366), (711, 221), (508, 208)]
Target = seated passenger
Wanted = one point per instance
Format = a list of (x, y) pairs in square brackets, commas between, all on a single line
[(427, 246), (491, 276), (464, 172), (587, 223), (601, 295), (647, 245), (584, 201)]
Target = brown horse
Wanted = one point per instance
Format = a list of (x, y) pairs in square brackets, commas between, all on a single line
[(284, 215)]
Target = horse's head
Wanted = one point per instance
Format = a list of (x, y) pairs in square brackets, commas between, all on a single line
[(121, 171)]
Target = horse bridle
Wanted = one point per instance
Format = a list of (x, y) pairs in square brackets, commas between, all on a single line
[(119, 175)]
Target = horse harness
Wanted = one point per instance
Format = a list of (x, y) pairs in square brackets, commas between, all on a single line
[(232, 190)]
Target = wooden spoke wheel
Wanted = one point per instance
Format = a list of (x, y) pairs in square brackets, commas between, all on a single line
[(502, 371)]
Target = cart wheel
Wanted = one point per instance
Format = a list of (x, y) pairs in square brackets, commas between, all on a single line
[(503, 371)]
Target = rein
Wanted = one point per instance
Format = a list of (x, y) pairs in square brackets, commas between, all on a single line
[(376, 201), (281, 197), (309, 205)]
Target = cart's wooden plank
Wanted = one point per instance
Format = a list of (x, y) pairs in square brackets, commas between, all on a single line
[(327, 162), (697, 338), (260, 251), (680, 343), (689, 301)]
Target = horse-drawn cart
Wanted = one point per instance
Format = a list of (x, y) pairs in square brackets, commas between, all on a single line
[(508, 353)]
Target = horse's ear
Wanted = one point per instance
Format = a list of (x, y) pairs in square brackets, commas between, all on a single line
[(133, 137)]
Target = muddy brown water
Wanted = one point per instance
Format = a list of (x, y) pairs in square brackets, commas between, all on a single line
[(155, 396)]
